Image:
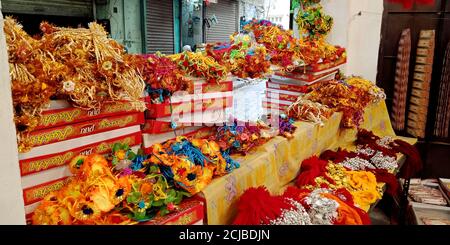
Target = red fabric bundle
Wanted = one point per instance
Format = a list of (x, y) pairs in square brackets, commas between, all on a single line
[(383, 176), (311, 169), (338, 156), (257, 207), (413, 164), (408, 4)]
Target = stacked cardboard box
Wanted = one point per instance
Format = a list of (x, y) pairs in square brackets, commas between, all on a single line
[(284, 88), (187, 113), (65, 132)]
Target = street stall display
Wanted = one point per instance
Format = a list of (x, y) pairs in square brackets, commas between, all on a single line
[(107, 137)]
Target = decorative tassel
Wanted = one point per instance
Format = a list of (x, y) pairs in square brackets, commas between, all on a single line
[(311, 169), (257, 207)]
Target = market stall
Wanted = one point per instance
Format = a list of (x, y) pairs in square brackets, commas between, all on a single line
[(105, 137)]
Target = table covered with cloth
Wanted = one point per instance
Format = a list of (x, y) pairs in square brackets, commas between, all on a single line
[(276, 163)]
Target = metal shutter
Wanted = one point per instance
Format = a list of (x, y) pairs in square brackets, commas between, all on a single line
[(226, 12), (159, 20), (73, 8)]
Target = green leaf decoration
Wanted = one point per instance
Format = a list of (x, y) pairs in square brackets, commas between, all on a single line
[(131, 156), (134, 197), (154, 169), (164, 211), (116, 147), (158, 203), (114, 161)]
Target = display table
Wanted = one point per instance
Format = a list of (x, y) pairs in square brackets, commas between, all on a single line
[(277, 163)]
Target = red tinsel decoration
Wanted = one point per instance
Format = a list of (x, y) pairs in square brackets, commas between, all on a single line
[(311, 169), (258, 207), (408, 4)]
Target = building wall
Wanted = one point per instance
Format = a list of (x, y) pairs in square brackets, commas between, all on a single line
[(278, 11), (359, 33), (12, 210), (125, 21), (252, 9)]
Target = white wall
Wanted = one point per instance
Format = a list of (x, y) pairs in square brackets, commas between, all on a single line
[(360, 34), (11, 201)]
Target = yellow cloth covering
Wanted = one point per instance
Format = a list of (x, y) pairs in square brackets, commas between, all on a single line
[(277, 163)]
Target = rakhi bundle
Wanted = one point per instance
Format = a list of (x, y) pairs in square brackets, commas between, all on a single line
[(198, 64), (100, 193), (240, 137), (35, 77), (317, 173), (350, 97), (319, 51), (99, 71), (81, 65), (191, 164), (160, 72), (309, 111), (243, 56), (281, 45), (298, 207), (313, 22)]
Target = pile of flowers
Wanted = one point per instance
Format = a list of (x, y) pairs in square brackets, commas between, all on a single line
[(124, 189), (81, 65)]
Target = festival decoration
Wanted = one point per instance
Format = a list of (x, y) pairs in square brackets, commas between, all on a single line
[(197, 64), (281, 45), (161, 73), (312, 22), (240, 137), (130, 191), (191, 164), (309, 111), (350, 97), (298, 207), (243, 56), (81, 65)]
